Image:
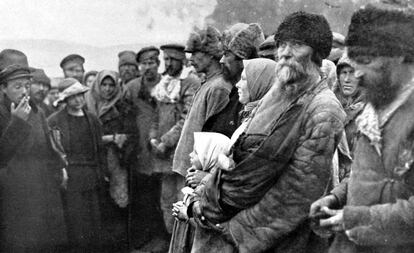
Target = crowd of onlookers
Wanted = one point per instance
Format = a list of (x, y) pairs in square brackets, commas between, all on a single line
[(298, 142)]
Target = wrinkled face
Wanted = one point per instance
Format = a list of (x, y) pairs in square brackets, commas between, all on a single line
[(232, 66), (53, 95), (348, 81), (195, 161), (128, 72), (90, 80), (293, 65), (17, 89), (201, 61), (38, 92), (242, 89), (75, 102), (74, 72), (107, 87), (379, 77), (149, 68), (173, 66)]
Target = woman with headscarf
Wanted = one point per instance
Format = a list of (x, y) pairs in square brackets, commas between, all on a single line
[(257, 78), (79, 134), (118, 120), (89, 78)]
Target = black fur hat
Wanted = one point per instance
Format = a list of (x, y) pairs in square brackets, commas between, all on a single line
[(311, 29), (380, 32)]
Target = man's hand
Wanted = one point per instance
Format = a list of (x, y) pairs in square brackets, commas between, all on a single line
[(158, 147), (194, 177), (120, 139), (327, 201), (22, 110), (335, 222)]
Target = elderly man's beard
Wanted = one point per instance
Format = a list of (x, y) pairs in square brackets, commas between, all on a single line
[(292, 74), (380, 91)]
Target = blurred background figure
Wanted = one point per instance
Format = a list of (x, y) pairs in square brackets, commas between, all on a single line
[(89, 78), (268, 48), (127, 66), (72, 66)]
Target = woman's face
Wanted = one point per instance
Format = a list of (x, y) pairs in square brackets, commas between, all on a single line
[(107, 87), (195, 161), (348, 81), (243, 90), (76, 102), (90, 80)]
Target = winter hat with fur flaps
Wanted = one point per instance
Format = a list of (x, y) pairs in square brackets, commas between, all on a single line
[(246, 42), (207, 41), (380, 32), (310, 29)]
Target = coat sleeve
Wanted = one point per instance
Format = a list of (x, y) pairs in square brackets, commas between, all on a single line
[(189, 86), (286, 205), (13, 134), (389, 224)]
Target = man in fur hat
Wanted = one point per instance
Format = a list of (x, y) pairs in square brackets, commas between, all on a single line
[(127, 66), (240, 42), (212, 97), (72, 66), (373, 210), (173, 94), (31, 166), (283, 159)]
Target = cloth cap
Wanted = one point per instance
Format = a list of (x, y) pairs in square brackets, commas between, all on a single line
[(380, 32), (246, 42), (146, 53), (310, 29), (175, 51), (13, 65), (268, 47), (73, 87), (207, 41), (39, 76), (127, 57), (72, 60)]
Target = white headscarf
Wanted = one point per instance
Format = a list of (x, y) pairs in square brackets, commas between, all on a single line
[(209, 146)]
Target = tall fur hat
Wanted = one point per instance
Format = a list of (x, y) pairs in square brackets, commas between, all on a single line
[(379, 32), (245, 43), (207, 41), (310, 29)]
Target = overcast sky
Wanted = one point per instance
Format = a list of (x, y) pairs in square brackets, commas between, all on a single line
[(96, 22)]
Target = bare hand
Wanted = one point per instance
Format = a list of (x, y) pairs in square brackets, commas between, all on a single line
[(22, 110), (327, 201), (120, 139), (179, 211), (194, 177), (335, 222)]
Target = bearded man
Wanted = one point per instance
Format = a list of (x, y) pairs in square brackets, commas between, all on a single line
[(373, 211), (283, 159), (127, 66), (39, 89)]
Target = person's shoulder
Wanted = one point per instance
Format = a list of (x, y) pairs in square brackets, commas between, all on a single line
[(220, 83), (326, 104), (133, 83), (56, 116)]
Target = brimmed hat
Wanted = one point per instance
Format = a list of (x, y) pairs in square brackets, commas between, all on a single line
[(127, 57), (207, 41), (74, 87), (245, 43), (174, 50), (379, 32), (39, 76), (310, 29), (13, 65), (268, 47), (72, 59), (146, 53)]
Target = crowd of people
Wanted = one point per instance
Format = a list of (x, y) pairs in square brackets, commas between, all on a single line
[(298, 142)]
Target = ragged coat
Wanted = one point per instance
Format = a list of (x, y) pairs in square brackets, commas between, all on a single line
[(378, 199)]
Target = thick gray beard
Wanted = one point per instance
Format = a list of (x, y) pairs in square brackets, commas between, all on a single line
[(293, 75)]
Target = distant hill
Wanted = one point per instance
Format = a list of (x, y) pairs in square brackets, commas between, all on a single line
[(47, 54)]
